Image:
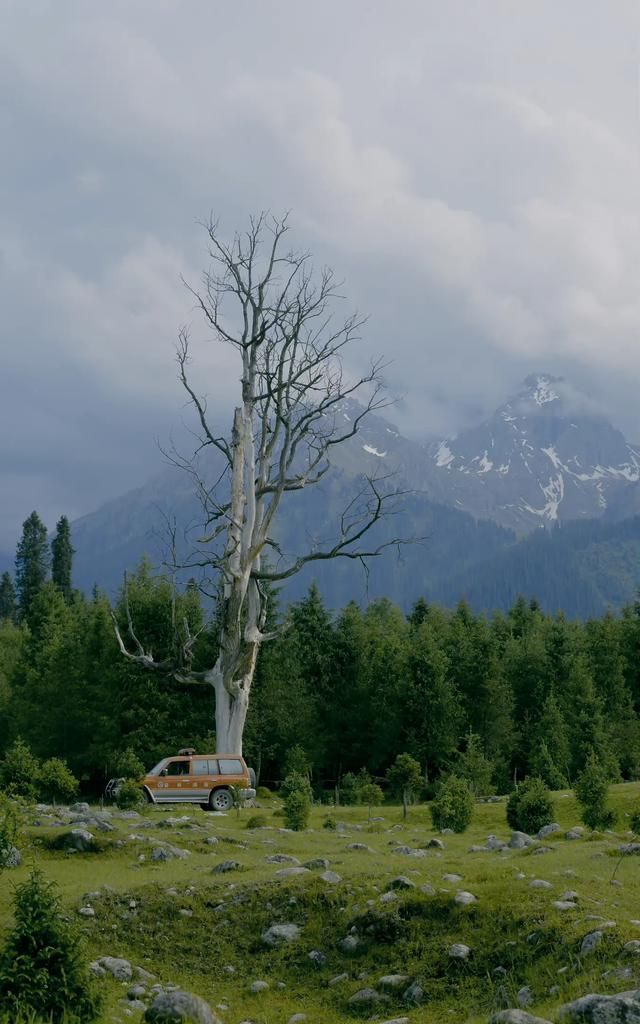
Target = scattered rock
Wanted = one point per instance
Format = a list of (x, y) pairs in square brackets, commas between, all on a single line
[(227, 865), (623, 1008), (548, 830), (516, 1017), (297, 1018), (463, 898), (87, 912), (401, 882), (331, 877), (539, 883), (452, 878), (414, 994), (572, 834), (291, 872), (520, 840), (629, 848), (591, 942), (281, 858), (563, 905), (524, 997), (367, 997), (349, 944), (317, 957), (339, 979), (117, 967), (278, 934), (317, 864), (10, 857), (177, 1007), (359, 847), (393, 981), (80, 808), (163, 853), (435, 844), (258, 986), (78, 839), (459, 951)]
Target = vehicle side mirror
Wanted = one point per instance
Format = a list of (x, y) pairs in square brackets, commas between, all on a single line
[(165, 771)]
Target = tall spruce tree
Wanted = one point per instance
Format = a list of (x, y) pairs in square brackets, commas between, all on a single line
[(32, 563), (62, 558), (8, 603)]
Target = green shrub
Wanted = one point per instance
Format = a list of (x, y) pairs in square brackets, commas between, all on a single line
[(19, 771), (530, 806), (405, 776), (296, 781), (257, 821), (42, 969), (635, 822), (263, 793), (129, 766), (591, 790), (297, 803), (129, 796), (297, 762), (329, 823), (57, 781), (9, 829), (453, 805), (369, 794), (348, 788), (474, 766)]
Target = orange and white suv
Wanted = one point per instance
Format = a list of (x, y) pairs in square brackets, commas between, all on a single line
[(208, 779)]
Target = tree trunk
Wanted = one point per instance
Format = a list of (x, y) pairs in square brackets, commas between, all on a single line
[(404, 803), (231, 713)]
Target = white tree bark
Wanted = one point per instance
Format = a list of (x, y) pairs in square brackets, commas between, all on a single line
[(284, 428)]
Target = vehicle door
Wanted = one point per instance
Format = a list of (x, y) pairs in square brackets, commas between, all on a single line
[(200, 779), (173, 784), (232, 772)]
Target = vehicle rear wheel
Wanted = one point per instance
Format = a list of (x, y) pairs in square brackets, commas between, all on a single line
[(221, 800)]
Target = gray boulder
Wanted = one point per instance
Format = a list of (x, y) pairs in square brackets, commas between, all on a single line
[(278, 934), (179, 1008), (80, 808), (367, 997), (164, 853), (548, 830), (226, 865), (401, 882), (516, 1017), (10, 857), (458, 951), (393, 981), (591, 942), (332, 877), (117, 967), (414, 994), (317, 864), (291, 872), (281, 858), (623, 1008), (349, 944), (79, 839), (520, 840)]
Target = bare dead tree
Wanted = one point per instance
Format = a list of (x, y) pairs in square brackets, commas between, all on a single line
[(264, 301)]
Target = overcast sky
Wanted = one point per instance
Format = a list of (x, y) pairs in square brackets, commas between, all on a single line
[(470, 167)]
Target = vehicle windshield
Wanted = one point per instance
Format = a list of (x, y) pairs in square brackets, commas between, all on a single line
[(158, 768)]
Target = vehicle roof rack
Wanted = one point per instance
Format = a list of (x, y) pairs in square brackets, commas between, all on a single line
[(186, 752)]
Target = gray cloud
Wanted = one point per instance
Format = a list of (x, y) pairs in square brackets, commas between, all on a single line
[(471, 170)]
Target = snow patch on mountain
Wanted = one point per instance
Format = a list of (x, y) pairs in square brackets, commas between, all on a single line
[(373, 451)]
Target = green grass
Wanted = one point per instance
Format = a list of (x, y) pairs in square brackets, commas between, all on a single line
[(511, 926)]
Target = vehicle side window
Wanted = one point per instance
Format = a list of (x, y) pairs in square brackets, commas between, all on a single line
[(213, 768), (200, 767), (228, 766), (178, 768)]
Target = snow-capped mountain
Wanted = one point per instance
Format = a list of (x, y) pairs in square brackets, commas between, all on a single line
[(544, 456)]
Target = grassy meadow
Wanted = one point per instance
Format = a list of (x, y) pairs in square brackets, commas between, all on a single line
[(200, 929)]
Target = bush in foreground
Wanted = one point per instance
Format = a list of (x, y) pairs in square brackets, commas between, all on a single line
[(57, 781), (530, 806), (592, 789), (453, 805), (297, 801), (42, 970), (129, 795)]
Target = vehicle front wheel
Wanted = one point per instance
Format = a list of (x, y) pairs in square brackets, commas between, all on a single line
[(221, 800)]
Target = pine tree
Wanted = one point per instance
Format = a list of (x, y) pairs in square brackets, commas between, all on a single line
[(62, 558), (8, 603), (32, 563)]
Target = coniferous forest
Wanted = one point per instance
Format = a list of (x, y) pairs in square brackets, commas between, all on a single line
[(494, 697)]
